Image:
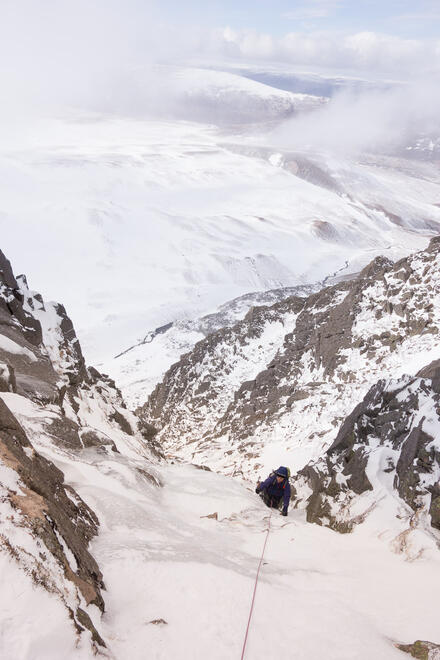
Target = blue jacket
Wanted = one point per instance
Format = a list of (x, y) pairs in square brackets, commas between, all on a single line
[(276, 490)]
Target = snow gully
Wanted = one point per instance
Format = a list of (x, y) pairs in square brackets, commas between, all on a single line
[(255, 586)]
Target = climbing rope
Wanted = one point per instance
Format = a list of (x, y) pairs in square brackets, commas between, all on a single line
[(255, 586)]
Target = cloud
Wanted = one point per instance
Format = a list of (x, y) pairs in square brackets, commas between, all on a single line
[(363, 51), (58, 52), (103, 54), (372, 121)]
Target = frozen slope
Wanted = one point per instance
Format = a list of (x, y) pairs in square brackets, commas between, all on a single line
[(145, 222), (197, 574), (179, 584)]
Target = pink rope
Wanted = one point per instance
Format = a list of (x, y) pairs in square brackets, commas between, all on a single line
[(255, 587)]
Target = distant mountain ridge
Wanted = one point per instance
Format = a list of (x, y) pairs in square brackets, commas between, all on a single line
[(320, 355)]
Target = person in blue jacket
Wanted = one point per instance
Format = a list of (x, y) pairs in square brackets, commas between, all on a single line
[(276, 488)]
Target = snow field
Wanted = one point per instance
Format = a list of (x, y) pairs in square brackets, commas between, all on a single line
[(320, 594), (190, 221), (33, 624)]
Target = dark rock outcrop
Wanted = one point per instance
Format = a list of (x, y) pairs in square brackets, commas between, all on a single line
[(122, 421), (52, 510), (421, 650), (21, 346), (12, 312), (41, 360), (386, 425)]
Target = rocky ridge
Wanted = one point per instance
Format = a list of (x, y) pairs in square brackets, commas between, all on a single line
[(53, 408), (140, 367), (196, 390), (387, 449), (329, 349)]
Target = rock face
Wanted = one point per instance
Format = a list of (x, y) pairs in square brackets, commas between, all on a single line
[(52, 369), (55, 516), (388, 444), (292, 372), (21, 337), (52, 407), (58, 334), (196, 391), (12, 311)]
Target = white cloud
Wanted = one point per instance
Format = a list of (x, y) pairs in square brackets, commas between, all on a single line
[(57, 52), (364, 51), (370, 121), (306, 13), (102, 54)]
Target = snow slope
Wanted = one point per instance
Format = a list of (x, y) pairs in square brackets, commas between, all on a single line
[(179, 584), (146, 222), (175, 547), (227, 98), (304, 598)]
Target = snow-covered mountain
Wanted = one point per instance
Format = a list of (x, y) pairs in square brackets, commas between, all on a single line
[(222, 97), (140, 367), (95, 526), (336, 221), (260, 304), (282, 380), (164, 220)]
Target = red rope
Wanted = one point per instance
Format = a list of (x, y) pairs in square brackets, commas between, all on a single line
[(255, 587)]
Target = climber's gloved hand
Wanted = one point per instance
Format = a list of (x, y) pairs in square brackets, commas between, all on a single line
[(257, 490), (284, 512)]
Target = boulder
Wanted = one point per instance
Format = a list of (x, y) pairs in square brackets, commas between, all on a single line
[(8, 382), (421, 650)]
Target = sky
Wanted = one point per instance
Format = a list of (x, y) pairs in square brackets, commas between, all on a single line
[(104, 54), (107, 55), (92, 39), (402, 18)]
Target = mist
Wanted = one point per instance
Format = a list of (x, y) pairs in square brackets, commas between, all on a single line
[(56, 54), (106, 56), (367, 121)]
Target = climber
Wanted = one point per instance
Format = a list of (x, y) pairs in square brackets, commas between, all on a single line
[(275, 487)]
